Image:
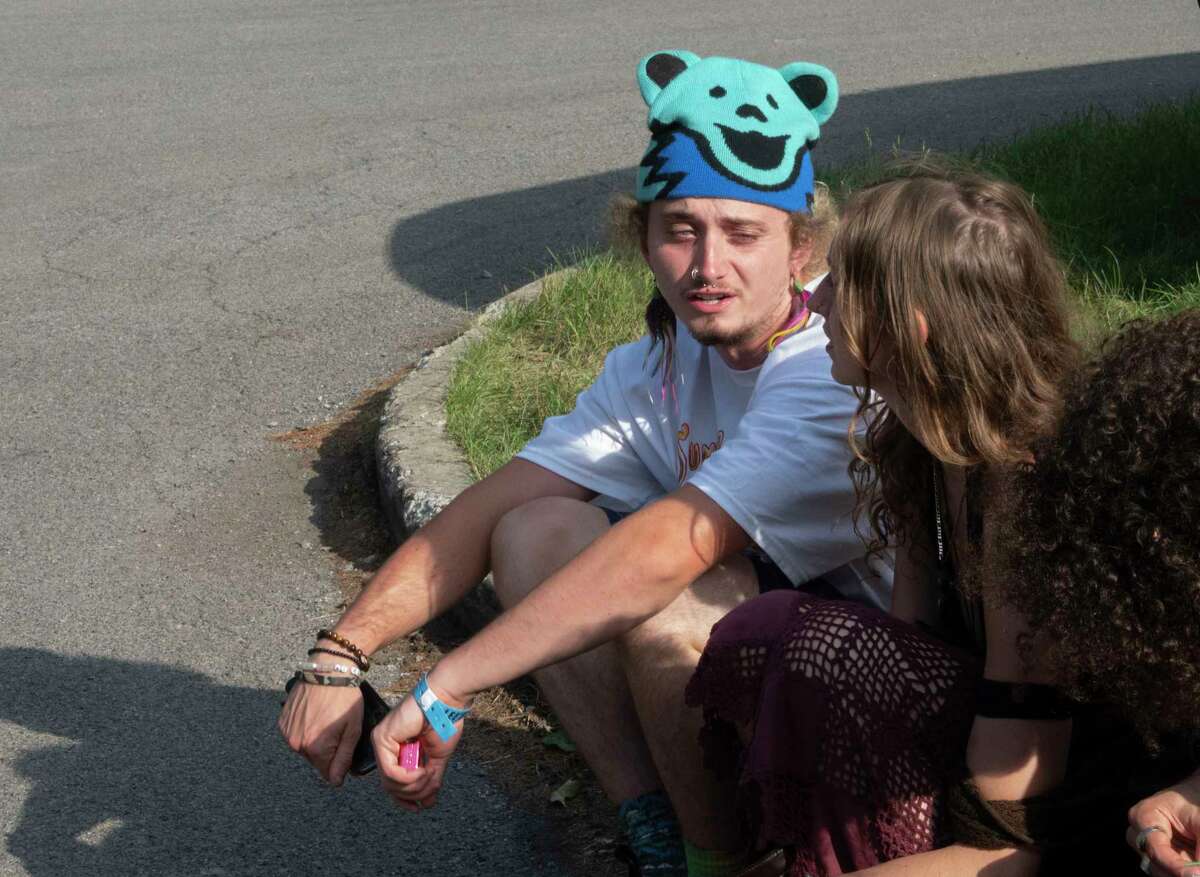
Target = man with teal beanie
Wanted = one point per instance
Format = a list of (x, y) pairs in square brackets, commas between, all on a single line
[(722, 128), (707, 463)]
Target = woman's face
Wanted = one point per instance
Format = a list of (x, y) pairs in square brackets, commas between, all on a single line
[(844, 367)]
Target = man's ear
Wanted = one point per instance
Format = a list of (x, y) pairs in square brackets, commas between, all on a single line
[(798, 260), (816, 86), (657, 69)]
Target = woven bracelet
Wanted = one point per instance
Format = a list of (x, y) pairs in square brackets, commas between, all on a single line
[(321, 679)]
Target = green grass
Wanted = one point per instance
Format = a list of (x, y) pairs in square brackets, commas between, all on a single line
[(537, 356), (1121, 198)]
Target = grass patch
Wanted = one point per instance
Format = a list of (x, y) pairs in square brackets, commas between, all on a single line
[(537, 356), (1121, 198)]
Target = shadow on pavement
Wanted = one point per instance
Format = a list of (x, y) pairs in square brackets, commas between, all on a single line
[(162, 771), (445, 252), (344, 494)]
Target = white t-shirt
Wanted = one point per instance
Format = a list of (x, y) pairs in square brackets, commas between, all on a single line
[(767, 444)]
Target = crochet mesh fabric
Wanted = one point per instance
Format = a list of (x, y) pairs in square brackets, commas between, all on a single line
[(860, 720)]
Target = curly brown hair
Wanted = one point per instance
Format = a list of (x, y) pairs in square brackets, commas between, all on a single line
[(955, 272), (1100, 537)]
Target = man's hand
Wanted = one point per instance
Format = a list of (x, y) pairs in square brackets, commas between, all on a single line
[(1176, 813), (323, 723), (414, 790)]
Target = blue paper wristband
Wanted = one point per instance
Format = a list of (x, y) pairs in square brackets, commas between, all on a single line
[(440, 717)]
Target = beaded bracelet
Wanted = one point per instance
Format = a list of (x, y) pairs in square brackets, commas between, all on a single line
[(322, 679), (360, 657), (314, 667), (318, 650)]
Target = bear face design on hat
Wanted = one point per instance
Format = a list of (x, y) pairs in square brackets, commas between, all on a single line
[(725, 128)]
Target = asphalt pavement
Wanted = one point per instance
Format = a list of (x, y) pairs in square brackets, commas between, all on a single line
[(222, 220)]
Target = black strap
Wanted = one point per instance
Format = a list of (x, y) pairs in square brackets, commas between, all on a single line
[(959, 615), (1022, 700)]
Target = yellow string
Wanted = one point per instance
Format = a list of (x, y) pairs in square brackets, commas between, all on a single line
[(774, 340)]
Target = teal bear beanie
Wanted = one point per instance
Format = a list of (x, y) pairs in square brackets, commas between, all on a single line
[(724, 128)]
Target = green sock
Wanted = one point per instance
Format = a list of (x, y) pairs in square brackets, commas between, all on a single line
[(713, 863)]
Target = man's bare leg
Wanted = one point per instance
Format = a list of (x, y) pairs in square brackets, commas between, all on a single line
[(589, 693), (622, 703), (659, 658)]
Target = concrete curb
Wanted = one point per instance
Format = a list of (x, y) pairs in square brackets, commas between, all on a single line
[(419, 468)]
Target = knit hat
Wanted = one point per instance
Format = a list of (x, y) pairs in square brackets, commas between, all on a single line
[(724, 128)]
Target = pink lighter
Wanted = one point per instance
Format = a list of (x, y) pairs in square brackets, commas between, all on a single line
[(410, 755)]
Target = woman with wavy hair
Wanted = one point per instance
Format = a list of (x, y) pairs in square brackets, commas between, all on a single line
[(945, 307), (1101, 546)]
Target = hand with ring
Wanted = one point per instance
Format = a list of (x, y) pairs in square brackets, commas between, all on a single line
[(1164, 830)]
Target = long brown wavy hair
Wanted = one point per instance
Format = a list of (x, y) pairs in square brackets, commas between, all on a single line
[(1099, 539), (628, 221), (969, 254)]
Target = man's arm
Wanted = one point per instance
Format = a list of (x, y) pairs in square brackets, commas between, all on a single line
[(437, 565), (432, 570), (627, 575)]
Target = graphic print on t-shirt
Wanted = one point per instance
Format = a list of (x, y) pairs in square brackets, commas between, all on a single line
[(689, 457)]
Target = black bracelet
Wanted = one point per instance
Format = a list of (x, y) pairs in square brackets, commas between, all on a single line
[(1030, 701), (318, 650)]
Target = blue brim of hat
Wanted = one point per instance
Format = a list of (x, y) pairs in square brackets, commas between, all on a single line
[(674, 167)]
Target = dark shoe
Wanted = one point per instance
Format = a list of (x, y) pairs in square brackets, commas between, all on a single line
[(652, 832), (770, 864), (624, 855)]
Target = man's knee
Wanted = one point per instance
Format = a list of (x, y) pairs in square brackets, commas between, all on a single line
[(678, 634), (667, 638), (534, 540)]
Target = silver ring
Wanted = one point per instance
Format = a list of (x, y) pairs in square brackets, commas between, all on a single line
[(1145, 864), (695, 274), (1142, 837)]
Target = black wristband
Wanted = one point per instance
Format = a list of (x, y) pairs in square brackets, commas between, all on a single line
[(1018, 700)]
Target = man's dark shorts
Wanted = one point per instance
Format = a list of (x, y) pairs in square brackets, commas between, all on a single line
[(770, 576)]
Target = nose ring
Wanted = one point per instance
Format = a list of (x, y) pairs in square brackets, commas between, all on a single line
[(696, 276)]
